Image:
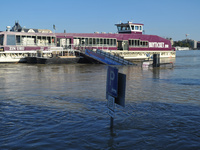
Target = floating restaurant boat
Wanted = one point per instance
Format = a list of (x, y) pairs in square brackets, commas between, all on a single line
[(18, 43), (128, 43)]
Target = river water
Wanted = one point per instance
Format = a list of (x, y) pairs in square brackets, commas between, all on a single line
[(64, 107)]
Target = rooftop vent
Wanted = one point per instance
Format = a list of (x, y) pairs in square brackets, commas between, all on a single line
[(8, 28)]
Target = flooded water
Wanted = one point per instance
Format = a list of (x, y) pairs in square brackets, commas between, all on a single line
[(64, 107)]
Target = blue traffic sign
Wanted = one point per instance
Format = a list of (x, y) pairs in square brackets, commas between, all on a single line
[(112, 81)]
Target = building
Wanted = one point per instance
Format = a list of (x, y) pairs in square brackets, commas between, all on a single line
[(192, 44), (198, 45), (18, 28)]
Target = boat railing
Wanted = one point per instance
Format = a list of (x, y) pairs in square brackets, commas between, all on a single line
[(35, 44), (93, 46), (115, 58)]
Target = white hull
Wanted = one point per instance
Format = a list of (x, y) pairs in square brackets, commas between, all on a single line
[(13, 57), (20, 56), (143, 54), (16, 56)]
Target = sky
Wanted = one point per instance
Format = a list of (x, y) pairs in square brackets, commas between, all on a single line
[(166, 18)]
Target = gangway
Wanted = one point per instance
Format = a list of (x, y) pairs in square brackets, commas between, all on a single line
[(106, 58)]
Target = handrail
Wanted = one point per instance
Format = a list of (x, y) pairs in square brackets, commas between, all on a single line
[(117, 59)]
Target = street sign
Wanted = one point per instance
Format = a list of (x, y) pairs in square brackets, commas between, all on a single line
[(111, 102), (112, 81), (111, 113), (120, 100), (115, 91)]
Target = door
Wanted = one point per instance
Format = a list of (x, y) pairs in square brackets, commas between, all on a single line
[(119, 45), (122, 45), (125, 45)]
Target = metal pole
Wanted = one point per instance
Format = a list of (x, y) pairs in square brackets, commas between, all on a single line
[(111, 122)]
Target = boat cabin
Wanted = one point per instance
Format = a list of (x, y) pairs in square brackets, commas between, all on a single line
[(130, 28)]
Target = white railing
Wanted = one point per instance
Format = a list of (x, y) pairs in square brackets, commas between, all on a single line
[(35, 44), (115, 58)]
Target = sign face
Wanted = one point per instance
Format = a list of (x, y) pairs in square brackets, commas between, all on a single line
[(111, 113), (111, 102), (112, 81), (120, 100)]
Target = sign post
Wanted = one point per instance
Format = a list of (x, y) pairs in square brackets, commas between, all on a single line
[(115, 91)]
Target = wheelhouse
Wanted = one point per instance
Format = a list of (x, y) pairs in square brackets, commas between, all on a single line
[(130, 28)]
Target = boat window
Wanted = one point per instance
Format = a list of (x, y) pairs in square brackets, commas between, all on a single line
[(44, 40), (111, 41), (114, 41), (108, 41), (53, 40), (18, 40), (130, 42), (11, 40), (90, 41), (94, 41), (138, 43), (1, 39), (105, 42), (48, 40), (86, 41), (136, 27), (101, 41), (119, 28), (125, 28), (97, 41), (140, 27), (132, 27)]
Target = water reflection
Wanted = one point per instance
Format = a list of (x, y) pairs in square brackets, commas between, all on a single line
[(156, 73)]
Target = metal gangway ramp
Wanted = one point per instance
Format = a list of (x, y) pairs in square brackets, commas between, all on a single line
[(107, 58)]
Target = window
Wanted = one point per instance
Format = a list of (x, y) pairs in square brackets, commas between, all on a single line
[(115, 42), (132, 27), (97, 41), (136, 27), (108, 42), (94, 41), (18, 40), (48, 40), (90, 41), (119, 28), (138, 43), (53, 40), (105, 42), (1, 39), (86, 41), (82, 41), (11, 40), (101, 41), (111, 41), (130, 42)]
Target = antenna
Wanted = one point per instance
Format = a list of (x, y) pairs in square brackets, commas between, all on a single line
[(186, 36)]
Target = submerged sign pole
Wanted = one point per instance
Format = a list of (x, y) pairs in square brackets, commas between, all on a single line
[(111, 92), (115, 91)]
